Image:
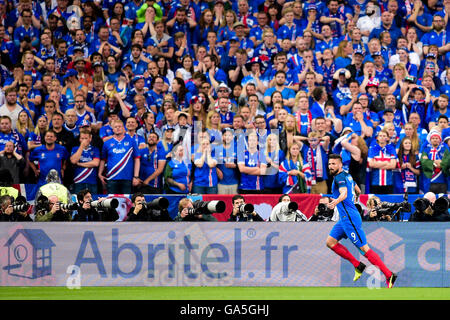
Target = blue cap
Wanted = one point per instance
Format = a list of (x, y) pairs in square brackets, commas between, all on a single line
[(377, 53), (78, 48), (234, 38), (137, 77), (71, 73), (358, 51), (311, 7)]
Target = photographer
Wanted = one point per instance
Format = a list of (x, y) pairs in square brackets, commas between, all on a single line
[(187, 212), (323, 213), (242, 211), (86, 212), (49, 209), (9, 211), (373, 214), (429, 208), (287, 211), (143, 211)]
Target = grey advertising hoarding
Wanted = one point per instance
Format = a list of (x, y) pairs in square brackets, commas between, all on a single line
[(214, 254)]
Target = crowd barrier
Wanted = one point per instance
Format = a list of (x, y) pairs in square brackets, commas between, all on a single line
[(78, 254)]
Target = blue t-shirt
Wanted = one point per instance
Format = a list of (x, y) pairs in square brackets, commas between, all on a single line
[(119, 157), (82, 174), (149, 164), (204, 176), (180, 173), (251, 182), (230, 175), (381, 177), (49, 159)]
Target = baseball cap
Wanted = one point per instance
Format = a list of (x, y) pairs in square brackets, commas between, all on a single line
[(376, 54), (137, 77), (238, 24), (78, 48), (358, 51), (71, 73)]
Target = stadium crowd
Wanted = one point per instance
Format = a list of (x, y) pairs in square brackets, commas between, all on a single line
[(226, 96)]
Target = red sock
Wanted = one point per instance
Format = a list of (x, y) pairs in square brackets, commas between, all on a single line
[(375, 259), (344, 253)]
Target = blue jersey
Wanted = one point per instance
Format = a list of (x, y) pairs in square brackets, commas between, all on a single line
[(180, 173), (251, 182), (381, 177), (49, 159), (119, 157), (89, 116), (17, 138), (350, 222), (140, 140), (82, 174), (347, 206), (106, 131), (204, 176), (230, 175), (149, 164)]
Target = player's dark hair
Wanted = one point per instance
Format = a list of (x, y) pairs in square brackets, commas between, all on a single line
[(335, 156)]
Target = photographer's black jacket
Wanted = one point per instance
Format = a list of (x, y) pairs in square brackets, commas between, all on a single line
[(149, 215), (86, 215), (241, 218), (436, 217)]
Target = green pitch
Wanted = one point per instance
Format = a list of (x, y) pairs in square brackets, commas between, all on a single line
[(222, 293)]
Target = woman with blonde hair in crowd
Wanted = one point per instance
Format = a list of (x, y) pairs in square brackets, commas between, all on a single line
[(274, 156), (24, 124), (37, 136), (410, 131), (213, 122), (399, 86)]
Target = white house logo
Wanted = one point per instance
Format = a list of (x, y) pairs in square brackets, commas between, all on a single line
[(29, 254)]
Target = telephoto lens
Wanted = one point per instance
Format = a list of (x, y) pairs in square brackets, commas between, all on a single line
[(246, 208), (105, 204)]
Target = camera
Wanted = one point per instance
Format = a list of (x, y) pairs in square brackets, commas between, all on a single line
[(42, 203), (21, 207), (207, 207), (68, 206), (158, 204), (246, 208), (391, 209), (324, 211), (422, 204), (288, 208), (441, 205), (105, 204)]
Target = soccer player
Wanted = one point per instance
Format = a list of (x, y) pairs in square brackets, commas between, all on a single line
[(350, 223)]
